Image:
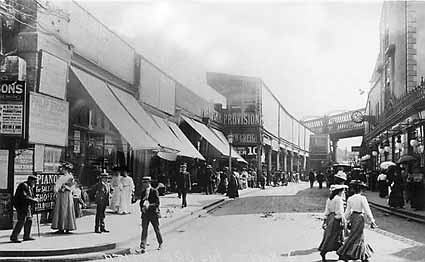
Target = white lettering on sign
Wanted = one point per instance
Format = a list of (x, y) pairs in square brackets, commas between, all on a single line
[(12, 88), (248, 138), (241, 119)]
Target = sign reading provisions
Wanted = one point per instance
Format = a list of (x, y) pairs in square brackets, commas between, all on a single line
[(355, 149), (12, 107), (44, 191)]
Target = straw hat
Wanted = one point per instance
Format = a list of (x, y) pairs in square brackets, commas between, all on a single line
[(341, 174), (338, 187), (147, 178)]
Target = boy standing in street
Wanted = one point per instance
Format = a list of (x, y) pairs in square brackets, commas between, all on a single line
[(102, 190)]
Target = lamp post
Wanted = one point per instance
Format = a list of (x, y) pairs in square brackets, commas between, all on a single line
[(230, 139)]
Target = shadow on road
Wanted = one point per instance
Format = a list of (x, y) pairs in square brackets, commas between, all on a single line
[(305, 201), (412, 253)]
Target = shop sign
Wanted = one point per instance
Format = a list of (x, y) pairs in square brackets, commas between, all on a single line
[(12, 107), (77, 137), (48, 120), (246, 151), (245, 138), (241, 119), (44, 191)]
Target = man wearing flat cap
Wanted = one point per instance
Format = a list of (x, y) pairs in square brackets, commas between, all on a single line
[(23, 201), (149, 206)]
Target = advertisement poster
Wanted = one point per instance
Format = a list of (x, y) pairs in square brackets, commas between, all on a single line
[(23, 165), (44, 191), (12, 107), (4, 164)]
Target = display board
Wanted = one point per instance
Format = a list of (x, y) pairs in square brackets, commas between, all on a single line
[(12, 108), (44, 191)]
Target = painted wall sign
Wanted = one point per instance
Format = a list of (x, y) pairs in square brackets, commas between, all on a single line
[(241, 119), (245, 138), (12, 107), (48, 120)]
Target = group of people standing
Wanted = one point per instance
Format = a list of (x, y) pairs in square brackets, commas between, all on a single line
[(401, 187), (344, 229), (122, 186), (313, 175)]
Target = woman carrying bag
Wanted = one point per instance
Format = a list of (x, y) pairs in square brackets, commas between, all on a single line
[(333, 221), (355, 247)]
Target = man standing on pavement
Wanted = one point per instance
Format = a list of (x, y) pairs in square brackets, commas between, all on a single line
[(149, 206), (183, 183), (23, 202), (102, 190)]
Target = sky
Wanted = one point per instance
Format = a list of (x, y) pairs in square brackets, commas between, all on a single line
[(315, 56)]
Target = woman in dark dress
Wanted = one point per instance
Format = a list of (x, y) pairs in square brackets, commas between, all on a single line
[(232, 190), (417, 201), (396, 198)]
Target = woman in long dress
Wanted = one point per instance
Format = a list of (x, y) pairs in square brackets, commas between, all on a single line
[(382, 185), (116, 186), (355, 247), (126, 193), (333, 222), (396, 198), (64, 212)]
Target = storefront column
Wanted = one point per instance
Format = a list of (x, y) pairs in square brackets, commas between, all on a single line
[(305, 163), (285, 161), (291, 163), (269, 164)]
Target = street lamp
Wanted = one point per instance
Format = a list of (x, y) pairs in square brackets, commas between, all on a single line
[(230, 139)]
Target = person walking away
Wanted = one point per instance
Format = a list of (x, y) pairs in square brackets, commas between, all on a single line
[(382, 184), (126, 192), (222, 185), (396, 198), (78, 200), (355, 247), (211, 176), (102, 192), (232, 190), (149, 207), (320, 178), (116, 188), (64, 219), (339, 179), (418, 191), (183, 183), (333, 222), (311, 178), (23, 202)]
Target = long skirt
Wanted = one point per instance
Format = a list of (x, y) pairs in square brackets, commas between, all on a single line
[(332, 236), (418, 196), (116, 199), (396, 198), (355, 246), (383, 188), (125, 202), (64, 212)]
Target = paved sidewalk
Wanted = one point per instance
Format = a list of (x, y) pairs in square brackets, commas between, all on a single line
[(374, 198), (122, 227)]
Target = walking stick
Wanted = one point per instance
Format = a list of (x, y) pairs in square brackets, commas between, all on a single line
[(38, 226)]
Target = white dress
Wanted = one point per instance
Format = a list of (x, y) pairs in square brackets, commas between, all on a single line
[(126, 192), (116, 193)]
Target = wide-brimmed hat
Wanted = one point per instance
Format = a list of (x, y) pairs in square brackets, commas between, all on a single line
[(338, 187), (209, 166), (64, 165), (358, 183), (103, 175), (146, 178), (341, 174)]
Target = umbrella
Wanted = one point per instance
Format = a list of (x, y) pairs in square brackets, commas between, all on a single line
[(405, 159), (386, 164)]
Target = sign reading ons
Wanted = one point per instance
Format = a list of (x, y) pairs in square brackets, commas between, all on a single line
[(12, 107)]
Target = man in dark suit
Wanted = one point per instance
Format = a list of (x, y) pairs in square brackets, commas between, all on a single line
[(149, 206), (102, 190), (183, 183), (23, 202)]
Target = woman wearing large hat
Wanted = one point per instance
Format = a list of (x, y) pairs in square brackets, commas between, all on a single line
[(64, 212), (355, 246), (333, 221)]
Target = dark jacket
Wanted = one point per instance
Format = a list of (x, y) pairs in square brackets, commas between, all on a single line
[(183, 181), (24, 197), (102, 192), (153, 199)]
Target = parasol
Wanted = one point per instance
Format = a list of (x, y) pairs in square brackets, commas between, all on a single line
[(387, 164), (406, 158)]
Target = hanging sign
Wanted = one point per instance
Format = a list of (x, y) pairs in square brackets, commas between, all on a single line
[(12, 107)]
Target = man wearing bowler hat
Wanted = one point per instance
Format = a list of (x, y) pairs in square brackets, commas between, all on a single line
[(102, 190), (183, 183), (149, 206), (23, 202)]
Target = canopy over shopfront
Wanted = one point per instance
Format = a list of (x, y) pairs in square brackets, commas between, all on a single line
[(213, 138), (226, 143), (130, 130)]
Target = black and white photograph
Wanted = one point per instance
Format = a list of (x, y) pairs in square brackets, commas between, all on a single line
[(212, 130)]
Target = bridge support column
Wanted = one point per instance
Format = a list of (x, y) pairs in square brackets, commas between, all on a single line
[(334, 148), (278, 160)]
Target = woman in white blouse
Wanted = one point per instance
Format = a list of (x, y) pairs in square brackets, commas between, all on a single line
[(355, 246), (333, 221)]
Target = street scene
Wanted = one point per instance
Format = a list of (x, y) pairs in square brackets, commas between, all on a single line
[(212, 130)]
